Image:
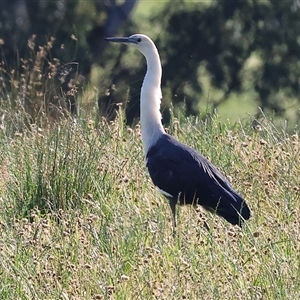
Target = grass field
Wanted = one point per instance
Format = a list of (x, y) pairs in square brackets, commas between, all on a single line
[(80, 218)]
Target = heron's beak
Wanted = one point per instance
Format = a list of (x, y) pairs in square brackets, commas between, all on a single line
[(124, 40)]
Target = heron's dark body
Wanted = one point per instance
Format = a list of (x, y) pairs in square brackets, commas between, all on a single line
[(190, 178)]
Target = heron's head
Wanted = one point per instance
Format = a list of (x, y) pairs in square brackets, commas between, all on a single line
[(139, 41)]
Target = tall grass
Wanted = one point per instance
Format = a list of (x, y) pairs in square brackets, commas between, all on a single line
[(80, 218), (37, 88)]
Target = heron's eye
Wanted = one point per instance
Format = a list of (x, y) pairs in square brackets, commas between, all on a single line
[(139, 40)]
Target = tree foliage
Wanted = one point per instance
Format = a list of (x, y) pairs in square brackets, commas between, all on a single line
[(241, 44), (37, 35), (222, 37)]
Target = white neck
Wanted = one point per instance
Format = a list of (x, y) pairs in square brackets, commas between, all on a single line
[(152, 128)]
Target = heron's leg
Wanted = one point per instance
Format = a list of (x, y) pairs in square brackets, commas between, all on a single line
[(172, 203)]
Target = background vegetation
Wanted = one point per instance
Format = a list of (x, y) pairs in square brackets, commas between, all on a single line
[(79, 216), (232, 55)]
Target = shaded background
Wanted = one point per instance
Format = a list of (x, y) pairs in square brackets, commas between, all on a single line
[(240, 57)]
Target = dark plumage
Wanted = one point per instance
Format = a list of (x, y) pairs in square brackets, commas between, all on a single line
[(189, 178)]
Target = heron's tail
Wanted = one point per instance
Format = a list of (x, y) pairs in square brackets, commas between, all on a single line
[(233, 209)]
